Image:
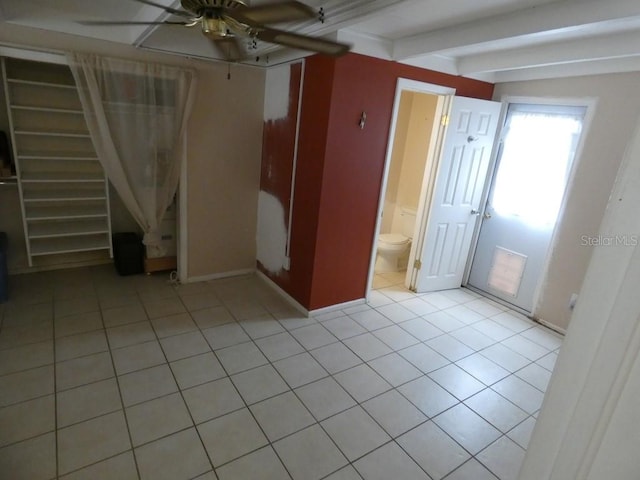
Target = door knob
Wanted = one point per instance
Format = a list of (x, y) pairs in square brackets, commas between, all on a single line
[(475, 212)]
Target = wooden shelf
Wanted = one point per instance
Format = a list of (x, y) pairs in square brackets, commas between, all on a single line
[(68, 198), (160, 264), (47, 109), (36, 133), (40, 84), (85, 193), (67, 177), (72, 156), (40, 213), (56, 246), (66, 228)]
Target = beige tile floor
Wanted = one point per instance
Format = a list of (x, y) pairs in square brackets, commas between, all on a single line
[(107, 377)]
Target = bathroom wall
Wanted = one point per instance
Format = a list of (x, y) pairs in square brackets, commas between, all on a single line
[(397, 157), (409, 158)]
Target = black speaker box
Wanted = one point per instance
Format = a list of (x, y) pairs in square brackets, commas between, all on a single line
[(128, 253)]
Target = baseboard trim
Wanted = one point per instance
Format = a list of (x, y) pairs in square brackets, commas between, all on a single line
[(218, 276), (60, 266), (338, 306), (288, 298), (551, 326)]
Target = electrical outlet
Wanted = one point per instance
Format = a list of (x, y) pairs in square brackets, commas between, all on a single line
[(573, 300)]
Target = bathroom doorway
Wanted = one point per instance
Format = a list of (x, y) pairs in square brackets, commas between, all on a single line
[(414, 140)]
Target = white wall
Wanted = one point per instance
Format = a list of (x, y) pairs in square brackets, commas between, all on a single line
[(618, 106), (589, 426), (223, 171)]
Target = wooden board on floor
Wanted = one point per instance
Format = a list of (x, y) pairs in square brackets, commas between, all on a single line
[(160, 264)]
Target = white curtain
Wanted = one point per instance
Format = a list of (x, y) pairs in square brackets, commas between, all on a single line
[(137, 115)]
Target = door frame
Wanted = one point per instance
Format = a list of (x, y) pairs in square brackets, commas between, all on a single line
[(590, 104), (404, 84)]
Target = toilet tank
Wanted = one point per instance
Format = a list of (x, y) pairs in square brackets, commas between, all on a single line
[(408, 223)]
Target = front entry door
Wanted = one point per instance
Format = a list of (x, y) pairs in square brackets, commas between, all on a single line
[(457, 192), (532, 169)]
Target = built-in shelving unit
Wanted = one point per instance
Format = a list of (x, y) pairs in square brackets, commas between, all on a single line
[(63, 190)]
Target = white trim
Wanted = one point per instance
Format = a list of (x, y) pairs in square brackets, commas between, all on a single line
[(551, 326), (294, 167), (588, 420), (288, 298), (338, 306), (218, 276), (589, 103), (427, 189), (183, 230), (29, 53), (16, 158), (402, 84), (491, 169), (294, 303), (59, 266)]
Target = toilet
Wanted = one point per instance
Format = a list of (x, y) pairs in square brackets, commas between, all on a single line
[(394, 247)]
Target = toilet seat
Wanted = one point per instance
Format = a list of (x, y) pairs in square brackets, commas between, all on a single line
[(393, 238)]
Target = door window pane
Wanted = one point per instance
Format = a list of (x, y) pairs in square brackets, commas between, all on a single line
[(534, 166)]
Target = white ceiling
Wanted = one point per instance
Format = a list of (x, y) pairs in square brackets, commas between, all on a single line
[(493, 40)]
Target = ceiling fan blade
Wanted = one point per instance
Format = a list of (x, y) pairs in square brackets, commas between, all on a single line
[(273, 13), (229, 47), (303, 42), (107, 23), (173, 11)]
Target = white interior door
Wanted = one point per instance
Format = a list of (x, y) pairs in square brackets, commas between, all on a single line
[(532, 170), (457, 192)]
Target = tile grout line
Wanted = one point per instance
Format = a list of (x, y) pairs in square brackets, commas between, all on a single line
[(55, 388), (124, 411), (271, 363)]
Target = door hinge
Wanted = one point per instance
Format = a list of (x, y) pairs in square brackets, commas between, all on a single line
[(445, 120), (417, 264)]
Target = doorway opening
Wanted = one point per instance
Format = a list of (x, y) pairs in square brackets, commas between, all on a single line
[(415, 134), (533, 167)]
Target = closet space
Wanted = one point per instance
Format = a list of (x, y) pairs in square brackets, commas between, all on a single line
[(64, 195)]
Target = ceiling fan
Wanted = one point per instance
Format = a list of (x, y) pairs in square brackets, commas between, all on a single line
[(225, 22)]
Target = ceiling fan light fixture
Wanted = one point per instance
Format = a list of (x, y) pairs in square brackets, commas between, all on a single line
[(215, 27)]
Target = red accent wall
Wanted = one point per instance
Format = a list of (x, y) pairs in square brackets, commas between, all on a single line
[(340, 168)]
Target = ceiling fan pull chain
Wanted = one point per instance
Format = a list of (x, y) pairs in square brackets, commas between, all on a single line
[(321, 15)]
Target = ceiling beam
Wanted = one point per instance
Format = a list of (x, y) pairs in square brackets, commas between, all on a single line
[(367, 44), (339, 15), (587, 49), (530, 22), (596, 67)]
